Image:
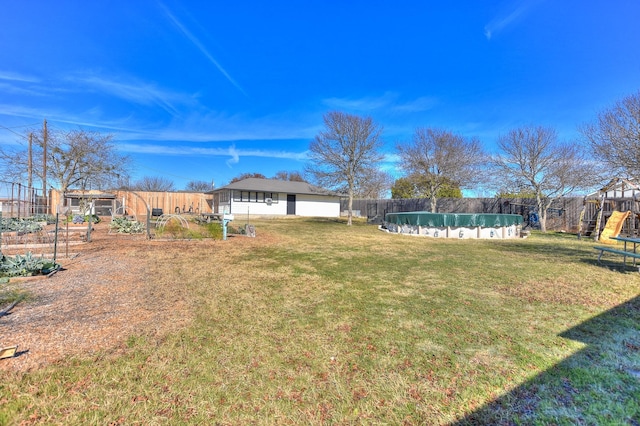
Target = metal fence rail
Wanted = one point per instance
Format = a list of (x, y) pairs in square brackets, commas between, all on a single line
[(20, 201)]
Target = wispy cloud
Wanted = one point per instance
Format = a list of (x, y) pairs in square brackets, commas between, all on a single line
[(367, 103), (137, 92), (198, 44), (12, 88), (231, 151), (194, 127), (420, 104), (235, 156), (509, 17), (13, 76), (389, 101), (20, 84)]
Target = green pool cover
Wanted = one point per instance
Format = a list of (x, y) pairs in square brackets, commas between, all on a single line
[(467, 220)]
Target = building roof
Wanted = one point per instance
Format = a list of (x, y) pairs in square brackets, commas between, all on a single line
[(275, 185)]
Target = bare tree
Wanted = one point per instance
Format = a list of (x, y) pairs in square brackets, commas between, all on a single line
[(244, 176), (615, 136), (154, 183), (294, 176), (74, 159), (199, 186), (375, 185), (446, 158), (533, 160), (342, 156)]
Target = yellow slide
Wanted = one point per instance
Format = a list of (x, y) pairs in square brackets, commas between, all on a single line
[(613, 226)]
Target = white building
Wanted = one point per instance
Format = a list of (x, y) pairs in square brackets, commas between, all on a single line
[(272, 197)]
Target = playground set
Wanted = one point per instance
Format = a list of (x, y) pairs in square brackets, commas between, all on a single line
[(611, 212), (617, 207)]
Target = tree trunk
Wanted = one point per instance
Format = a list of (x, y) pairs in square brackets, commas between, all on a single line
[(542, 217), (433, 203), (350, 208), (542, 213), (543, 205)]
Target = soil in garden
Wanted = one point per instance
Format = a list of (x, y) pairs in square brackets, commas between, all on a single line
[(101, 297)]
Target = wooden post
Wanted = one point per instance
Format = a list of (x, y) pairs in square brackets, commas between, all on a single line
[(30, 176), (30, 163), (45, 137)]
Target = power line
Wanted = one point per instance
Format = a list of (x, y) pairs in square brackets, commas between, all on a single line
[(17, 127)]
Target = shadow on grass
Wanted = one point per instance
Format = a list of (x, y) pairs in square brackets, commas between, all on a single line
[(600, 384), (584, 253)]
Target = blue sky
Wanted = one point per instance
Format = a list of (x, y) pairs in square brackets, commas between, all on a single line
[(207, 90)]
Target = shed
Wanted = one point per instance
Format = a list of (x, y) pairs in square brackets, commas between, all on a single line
[(272, 197)]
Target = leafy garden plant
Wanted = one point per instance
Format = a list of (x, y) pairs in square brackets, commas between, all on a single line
[(23, 225), (122, 225), (79, 219), (24, 266)]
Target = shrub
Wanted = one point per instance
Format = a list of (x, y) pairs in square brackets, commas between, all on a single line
[(94, 218), (47, 218), (214, 230)]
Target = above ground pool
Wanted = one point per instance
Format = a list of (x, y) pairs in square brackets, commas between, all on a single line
[(454, 225)]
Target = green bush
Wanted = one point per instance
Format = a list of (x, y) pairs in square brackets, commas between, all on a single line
[(214, 230), (78, 218), (94, 218), (48, 218)]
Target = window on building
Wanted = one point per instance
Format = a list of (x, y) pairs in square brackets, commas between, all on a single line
[(254, 197)]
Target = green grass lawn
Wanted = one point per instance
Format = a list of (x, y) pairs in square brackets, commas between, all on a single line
[(314, 322)]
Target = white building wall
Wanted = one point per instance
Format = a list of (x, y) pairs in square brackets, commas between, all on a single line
[(316, 205), (276, 208), (306, 205)]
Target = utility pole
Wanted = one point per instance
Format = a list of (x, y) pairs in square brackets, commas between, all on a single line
[(30, 163), (30, 175), (45, 136)]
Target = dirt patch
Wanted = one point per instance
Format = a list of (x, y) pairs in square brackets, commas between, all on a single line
[(102, 296)]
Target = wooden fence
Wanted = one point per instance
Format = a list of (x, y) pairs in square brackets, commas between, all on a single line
[(564, 213), (136, 203)]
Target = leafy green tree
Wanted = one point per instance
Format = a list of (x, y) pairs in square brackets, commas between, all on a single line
[(417, 186)]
